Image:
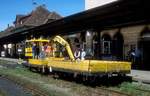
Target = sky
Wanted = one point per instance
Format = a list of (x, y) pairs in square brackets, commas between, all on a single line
[(10, 8)]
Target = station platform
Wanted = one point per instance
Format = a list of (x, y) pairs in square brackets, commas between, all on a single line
[(11, 59), (140, 76)]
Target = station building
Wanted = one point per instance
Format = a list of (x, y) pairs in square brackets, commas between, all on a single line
[(109, 30), (121, 41), (116, 43)]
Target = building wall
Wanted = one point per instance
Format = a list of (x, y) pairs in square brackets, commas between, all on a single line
[(131, 36), (94, 3)]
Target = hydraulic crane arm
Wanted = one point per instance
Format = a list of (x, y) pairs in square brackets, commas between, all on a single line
[(66, 44)]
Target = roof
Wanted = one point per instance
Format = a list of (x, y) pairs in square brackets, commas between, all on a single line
[(19, 16), (116, 14), (9, 28), (13, 31), (36, 18), (52, 17)]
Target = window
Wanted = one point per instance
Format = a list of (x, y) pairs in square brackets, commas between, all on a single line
[(20, 22), (106, 44), (106, 47)]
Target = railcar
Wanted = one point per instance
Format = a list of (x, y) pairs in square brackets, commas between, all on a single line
[(60, 64)]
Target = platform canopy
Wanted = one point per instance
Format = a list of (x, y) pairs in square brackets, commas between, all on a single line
[(113, 15)]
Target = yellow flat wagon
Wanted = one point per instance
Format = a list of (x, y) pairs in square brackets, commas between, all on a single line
[(90, 66)]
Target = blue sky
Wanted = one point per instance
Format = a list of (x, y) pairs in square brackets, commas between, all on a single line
[(9, 8)]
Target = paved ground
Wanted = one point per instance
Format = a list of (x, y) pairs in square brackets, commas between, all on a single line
[(10, 59), (140, 76)]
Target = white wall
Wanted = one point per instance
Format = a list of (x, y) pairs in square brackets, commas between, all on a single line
[(94, 3)]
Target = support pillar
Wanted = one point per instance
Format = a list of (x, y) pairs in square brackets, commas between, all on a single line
[(1, 49), (99, 45), (89, 41)]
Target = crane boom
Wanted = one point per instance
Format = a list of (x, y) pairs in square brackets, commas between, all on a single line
[(66, 44)]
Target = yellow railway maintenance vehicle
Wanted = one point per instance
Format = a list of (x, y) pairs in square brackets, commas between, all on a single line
[(61, 64), (36, 62)]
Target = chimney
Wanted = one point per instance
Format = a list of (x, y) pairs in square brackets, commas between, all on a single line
[(44, 5), (8, 26)]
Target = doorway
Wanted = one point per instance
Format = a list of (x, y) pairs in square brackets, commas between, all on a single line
[(118, 42)]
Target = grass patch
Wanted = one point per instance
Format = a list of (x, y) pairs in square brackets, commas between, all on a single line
[(2, 93), (133, 89)]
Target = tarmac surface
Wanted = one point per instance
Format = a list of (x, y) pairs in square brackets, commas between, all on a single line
[(137, 75), (10, 59), (140, 76)]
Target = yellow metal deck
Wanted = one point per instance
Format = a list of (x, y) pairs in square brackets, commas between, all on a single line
[(88, 66), (92, 66), (38, 62)]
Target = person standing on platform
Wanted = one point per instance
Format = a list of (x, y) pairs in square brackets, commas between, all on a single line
[(48, 50), (33, 50), (37, 51), (77, 54), (42, 52), (83, 54)]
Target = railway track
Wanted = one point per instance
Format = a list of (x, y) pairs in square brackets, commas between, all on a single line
[(109, 92), (35, 91), (97, 91), (31, 88), (100, 91)]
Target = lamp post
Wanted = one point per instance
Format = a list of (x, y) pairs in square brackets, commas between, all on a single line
[(19, 52)]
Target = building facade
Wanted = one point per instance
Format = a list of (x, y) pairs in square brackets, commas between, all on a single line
[(39, 16), (95, 3), (120, 43)]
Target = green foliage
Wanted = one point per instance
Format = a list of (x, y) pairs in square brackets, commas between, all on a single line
[(133, 89), (2, 93)]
